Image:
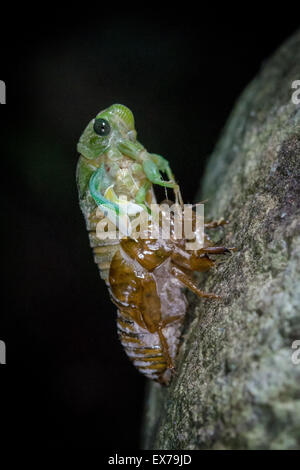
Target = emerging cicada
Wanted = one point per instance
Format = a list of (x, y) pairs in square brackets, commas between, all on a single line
[(112, 166), (145, 275)]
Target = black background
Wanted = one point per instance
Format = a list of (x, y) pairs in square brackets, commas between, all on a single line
[(67, 380)]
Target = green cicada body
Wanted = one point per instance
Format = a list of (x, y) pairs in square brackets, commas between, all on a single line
[(114, 167)]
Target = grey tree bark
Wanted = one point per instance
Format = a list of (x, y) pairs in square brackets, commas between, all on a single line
[(238, 384)]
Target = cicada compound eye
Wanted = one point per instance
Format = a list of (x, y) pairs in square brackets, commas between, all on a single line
[(101, 127)]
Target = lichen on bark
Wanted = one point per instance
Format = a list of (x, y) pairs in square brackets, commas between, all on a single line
[(236, 385)]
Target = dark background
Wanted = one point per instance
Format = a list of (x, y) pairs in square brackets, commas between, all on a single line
[(67, 380)]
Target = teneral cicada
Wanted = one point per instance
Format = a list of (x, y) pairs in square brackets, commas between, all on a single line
[(145, 275), (114, 167)]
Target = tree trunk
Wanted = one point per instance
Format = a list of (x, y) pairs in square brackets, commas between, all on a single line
[(238, 382)]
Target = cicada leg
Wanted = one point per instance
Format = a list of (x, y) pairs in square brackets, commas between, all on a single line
[(216, 250), (188, 282), (152, 171), (216, 223), (140, 196), (152, 164), (142, 192), (165, 349)]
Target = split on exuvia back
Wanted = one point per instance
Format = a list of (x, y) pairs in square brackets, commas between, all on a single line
[(145, 276)]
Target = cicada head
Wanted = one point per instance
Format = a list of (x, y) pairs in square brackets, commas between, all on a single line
[(110, 126)]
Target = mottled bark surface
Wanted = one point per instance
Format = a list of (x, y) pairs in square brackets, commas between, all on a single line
[(236, 385)]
